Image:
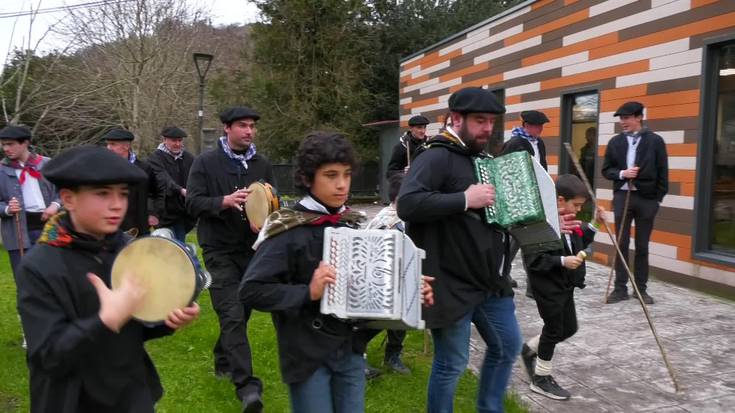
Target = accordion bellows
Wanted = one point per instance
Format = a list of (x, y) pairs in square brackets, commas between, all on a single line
[(525, 199), (378, 278)]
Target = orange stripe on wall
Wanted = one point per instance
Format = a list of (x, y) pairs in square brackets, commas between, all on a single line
[(512, 100), (679, 32), (413, 81), (465, 71), (418, 103), (687, 188), (551, 26), (700, 3), (570, 50), (606, 73), (681, 149), (569, 2), (682, 175), (541, 3), (624, 92), (673, 111), (650, 101)]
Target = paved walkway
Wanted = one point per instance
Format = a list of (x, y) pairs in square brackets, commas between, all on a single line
[(613, 364)]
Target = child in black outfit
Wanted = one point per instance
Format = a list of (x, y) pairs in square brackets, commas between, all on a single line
[(85, 354), (320, 356), (553, 276)]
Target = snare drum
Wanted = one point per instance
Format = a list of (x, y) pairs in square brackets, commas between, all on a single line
[(169, 270), (262, 201)]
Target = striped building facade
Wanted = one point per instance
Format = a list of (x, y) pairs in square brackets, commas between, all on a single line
[(540, 54)]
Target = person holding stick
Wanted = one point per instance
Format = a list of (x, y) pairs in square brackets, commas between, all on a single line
[(27, 200), (637, 163)]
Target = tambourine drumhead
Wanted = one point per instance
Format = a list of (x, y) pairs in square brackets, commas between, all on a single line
[(259, 203), (164, 268)]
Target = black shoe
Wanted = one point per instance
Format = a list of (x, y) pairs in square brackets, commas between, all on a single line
[(617, 296), (528, 357), (371, 372), (252, 403), (394, 363), (546, 385), (646, 298)]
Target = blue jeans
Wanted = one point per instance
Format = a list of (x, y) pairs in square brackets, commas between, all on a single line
[(338, 386), (496, 322)]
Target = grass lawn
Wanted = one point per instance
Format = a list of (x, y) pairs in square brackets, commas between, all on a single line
[(185, 364)]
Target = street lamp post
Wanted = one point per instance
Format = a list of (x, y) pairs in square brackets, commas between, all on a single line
[(202, 62)]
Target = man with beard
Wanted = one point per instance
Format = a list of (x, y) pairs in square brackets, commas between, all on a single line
[(409, 145), (171, 164), (637, 164), (442, 203), (139, 217), (216, 195)]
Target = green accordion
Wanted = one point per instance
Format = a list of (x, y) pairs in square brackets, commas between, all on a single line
[(525, 199)]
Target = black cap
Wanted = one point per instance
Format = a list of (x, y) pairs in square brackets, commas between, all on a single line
[(418, 120), (18, 133), (238, 112), (629, 108), (534, 117), (474, 100), (118, 134), (173, 132), (91, 165)]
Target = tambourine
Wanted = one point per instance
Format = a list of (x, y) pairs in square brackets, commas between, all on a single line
[(262, 201), (169, 269)]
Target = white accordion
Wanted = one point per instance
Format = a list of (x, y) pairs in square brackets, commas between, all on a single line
[(378, 278)]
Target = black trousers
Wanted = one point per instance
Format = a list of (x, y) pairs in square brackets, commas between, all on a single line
[(232, 351), (560, 323), (394, 345), (643, 212)]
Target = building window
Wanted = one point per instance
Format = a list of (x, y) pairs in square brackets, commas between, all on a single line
[(716, 189), (580, 130)]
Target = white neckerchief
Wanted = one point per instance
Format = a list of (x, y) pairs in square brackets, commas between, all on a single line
[(312, 204)]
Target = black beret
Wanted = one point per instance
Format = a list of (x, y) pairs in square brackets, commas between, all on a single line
[(629, 108), (173, 132), (118, 134), (418, 120), (474, 100), (15, 132), (91, 165), (238, 112), (534, 117)]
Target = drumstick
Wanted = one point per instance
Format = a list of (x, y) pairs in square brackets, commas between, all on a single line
[(669, 367), (18, 230), (582, 255)]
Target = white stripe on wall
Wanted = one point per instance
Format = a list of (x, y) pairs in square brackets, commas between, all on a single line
[(683, 162), (608, 5), (519, 90), (419, 85), (534, 105), (676, 59), (547, 65), (442, 85), (637, 19), (534, 41), (439, 66), (669, 73), (663, 49)]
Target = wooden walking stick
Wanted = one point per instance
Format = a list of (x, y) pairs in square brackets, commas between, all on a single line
[(18, 231), (669, 367), (620, 233)]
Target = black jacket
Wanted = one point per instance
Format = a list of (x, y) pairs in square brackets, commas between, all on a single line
[(462, 252), (277, 280), (518, 143), (212, 176), (171, 175), (141, 198), (399, 158), (653, 177), (72, 357)]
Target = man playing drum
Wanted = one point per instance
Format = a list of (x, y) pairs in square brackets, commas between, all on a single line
[(215, 196), (85, 354)]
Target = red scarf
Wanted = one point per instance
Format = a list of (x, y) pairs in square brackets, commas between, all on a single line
[(30, 167)]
